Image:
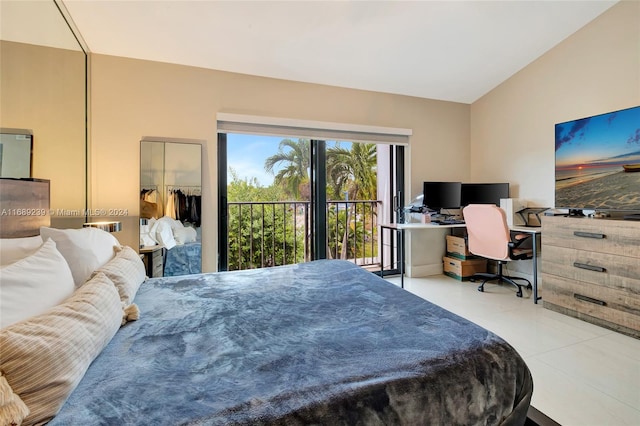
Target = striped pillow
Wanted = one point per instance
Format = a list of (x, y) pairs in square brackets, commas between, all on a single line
[(127, 272), (43, 358)]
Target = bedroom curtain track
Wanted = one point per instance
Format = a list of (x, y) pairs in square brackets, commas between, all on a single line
[(249, 124)]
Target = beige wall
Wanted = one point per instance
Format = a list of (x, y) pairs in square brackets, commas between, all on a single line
[(596, 70), (131, 99)]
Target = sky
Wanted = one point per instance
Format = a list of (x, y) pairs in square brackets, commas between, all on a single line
[(246, 155), (606, 139)]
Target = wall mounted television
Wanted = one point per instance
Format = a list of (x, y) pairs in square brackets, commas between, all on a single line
[(484, 193), (597, 163)]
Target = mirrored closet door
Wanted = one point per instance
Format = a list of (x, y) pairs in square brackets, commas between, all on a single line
[(171, 207), (43, 119)]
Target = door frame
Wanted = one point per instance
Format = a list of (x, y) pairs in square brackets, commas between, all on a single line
[(318, 199)]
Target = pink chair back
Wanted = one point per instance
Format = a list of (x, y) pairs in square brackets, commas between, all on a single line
[(487, 231)]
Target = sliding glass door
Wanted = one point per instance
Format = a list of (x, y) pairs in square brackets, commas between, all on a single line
[(290, 200)]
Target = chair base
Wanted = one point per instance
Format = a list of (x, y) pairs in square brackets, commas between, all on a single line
[(501, 278)]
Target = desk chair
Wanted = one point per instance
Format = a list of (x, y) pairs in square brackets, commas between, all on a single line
[(489, 237)]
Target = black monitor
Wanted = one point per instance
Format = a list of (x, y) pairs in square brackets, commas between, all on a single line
[(484, 193), (441, 195)]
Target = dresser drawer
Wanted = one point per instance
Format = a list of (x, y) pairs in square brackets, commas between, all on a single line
[(601, 269), (579, 298), (154, 262), (591, 270), (157, 270), (618, 237)]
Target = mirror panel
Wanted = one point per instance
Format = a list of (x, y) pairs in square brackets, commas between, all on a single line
[(15, 155), (170, 206), (43, 89)]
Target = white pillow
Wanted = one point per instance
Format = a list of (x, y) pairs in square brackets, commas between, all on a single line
[(162, 231), (14, 249), (34, 284), (180, 234), (186, 234), (146, 239), (85, 249)]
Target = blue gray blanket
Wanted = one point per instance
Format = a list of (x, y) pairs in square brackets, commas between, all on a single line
[(183, 259), (323, 342)]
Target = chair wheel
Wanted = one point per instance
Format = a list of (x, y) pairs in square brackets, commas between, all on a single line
[(481, 289), (519, 293)]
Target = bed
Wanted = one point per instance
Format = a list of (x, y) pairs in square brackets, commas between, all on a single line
[(183, 259), (182, 243), (323, 342)]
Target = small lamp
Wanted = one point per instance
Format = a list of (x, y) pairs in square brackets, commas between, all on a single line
[(105, 226)]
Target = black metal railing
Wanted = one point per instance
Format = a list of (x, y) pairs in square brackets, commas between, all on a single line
[(271, 233)]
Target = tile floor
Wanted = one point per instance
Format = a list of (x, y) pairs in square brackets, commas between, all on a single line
[(583, 374)]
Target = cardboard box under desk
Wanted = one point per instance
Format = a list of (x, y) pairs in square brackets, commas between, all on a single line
[(462, 270), (457, 247)]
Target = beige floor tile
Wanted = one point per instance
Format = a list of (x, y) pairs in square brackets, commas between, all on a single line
[(583, 374), (603, 365), (567, 400)]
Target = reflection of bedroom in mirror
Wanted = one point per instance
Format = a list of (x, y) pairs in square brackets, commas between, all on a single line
[(43, 80), (170, 207)]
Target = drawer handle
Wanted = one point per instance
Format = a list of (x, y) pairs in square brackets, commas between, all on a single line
[(589, 299), (589, 267), (588, 234)]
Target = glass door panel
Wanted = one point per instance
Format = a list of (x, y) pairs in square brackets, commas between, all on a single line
[(291, 200)]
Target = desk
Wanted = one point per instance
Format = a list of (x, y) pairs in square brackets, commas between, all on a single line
[(400, 229)]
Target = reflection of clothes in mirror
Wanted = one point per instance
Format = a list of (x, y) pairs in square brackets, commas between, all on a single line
[(150, 204), (171, 205), (184, 205)]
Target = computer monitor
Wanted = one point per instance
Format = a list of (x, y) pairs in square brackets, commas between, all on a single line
[(441, 195), (484, 193)]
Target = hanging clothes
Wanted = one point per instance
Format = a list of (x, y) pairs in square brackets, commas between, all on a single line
[(184, 204), (150, 204), (170, 210), (194, 210)]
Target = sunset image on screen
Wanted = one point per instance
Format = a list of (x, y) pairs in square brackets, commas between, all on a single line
[(598, 162)]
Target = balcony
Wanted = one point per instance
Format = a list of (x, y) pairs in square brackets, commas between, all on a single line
[(264, 234)]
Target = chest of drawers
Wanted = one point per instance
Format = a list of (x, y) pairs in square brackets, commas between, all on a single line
[(591, 270)]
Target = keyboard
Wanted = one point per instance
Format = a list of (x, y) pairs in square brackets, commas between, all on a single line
[(448, 222)]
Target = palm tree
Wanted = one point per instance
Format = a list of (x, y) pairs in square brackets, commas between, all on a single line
[(348, 170), (352, 171), (296, 158)]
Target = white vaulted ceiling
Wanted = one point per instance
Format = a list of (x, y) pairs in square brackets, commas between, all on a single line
[(448, 50)]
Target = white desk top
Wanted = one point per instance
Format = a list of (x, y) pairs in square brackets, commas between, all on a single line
[(409, 226), (149, 249), (423, 226), (527, 229)]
